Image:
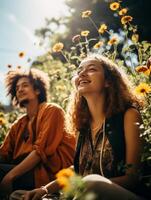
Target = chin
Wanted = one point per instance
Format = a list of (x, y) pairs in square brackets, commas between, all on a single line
[(23, 102)]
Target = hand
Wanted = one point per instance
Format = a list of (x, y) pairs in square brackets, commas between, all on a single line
[(35, 194), (6, 185)]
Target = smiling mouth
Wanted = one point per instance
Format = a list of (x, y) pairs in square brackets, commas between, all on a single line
[(84, 82)]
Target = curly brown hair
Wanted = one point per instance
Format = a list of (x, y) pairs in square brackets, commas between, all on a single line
[(37, 78), (118, 96)]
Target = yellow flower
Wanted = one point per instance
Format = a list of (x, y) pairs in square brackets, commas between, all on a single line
[(63, 183), (9, 66), (21, 54), (123, 11), (2, 121), (143, 89), (102, 28), (98, 45), (65, 172), (143, 69), (113, 40), (57, 47), (86, 13), (135, 38), (18, 67), (85, 33), (126, 19), (114, 6)]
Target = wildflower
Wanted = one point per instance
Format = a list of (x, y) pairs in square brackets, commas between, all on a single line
[(63, 183), (18, 67), (126, 19), (142, 89), (114, 6), (65, 172), (123, 11), (2, 121), (113, 40), (57, 47), (135, 38), (143, 69), (98, 45), (76, 38), (21, 54), (9, 66), (86, 13), (85, 33), (102, 28)]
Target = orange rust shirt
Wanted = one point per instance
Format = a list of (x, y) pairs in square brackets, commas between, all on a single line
[(54, 146)]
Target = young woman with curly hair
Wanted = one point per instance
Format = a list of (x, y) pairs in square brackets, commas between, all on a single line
[(104, 114)]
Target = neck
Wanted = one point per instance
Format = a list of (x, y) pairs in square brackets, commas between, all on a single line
[(96, 107), (32, 108)]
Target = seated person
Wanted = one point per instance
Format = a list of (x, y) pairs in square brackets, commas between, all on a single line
[(37, 145)]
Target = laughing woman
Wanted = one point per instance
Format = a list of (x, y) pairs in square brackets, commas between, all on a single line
[(104, 114)]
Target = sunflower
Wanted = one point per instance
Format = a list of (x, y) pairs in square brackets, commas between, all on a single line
[(85, 33), (98, 45), (64, 183), (113, 40), (2, 121), (143, 69), (135, 38), (126, 19), (57, 47), (114, 6), (86, 13), (143, 89), (21, 54), (123, 11), (102, 28), (65, 172)]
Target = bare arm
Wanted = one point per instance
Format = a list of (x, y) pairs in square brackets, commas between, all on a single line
[(26, 165), (132, 121)]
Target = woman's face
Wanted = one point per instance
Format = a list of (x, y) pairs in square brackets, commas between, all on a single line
[(90, 77)]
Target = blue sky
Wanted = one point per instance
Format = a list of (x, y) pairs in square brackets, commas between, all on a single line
[(19, 19)]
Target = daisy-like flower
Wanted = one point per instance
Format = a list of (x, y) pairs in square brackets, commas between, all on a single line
[(113, 40), (85, 33), (143, 69), (86, 13), (57, 47), (76, 38), (21, 54), (114, 6), (123, 11), (135, 38), (98, 45), (102, 28), (2, 121), (18, 67), (126, 19), (65, 172), (64, 183), (143, 89), (9, 66)]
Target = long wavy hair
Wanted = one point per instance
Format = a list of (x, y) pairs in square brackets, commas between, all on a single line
[(37, 78), (118, 96)]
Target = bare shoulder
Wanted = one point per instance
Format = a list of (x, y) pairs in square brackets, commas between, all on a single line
[(132, 114)]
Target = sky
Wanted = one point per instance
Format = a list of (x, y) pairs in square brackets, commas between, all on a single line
[(18, 21)]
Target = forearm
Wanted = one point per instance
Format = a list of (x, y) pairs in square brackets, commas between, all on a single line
[(26, 165), (127, 181)]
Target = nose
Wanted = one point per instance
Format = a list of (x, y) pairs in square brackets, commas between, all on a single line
[(82, 72)]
